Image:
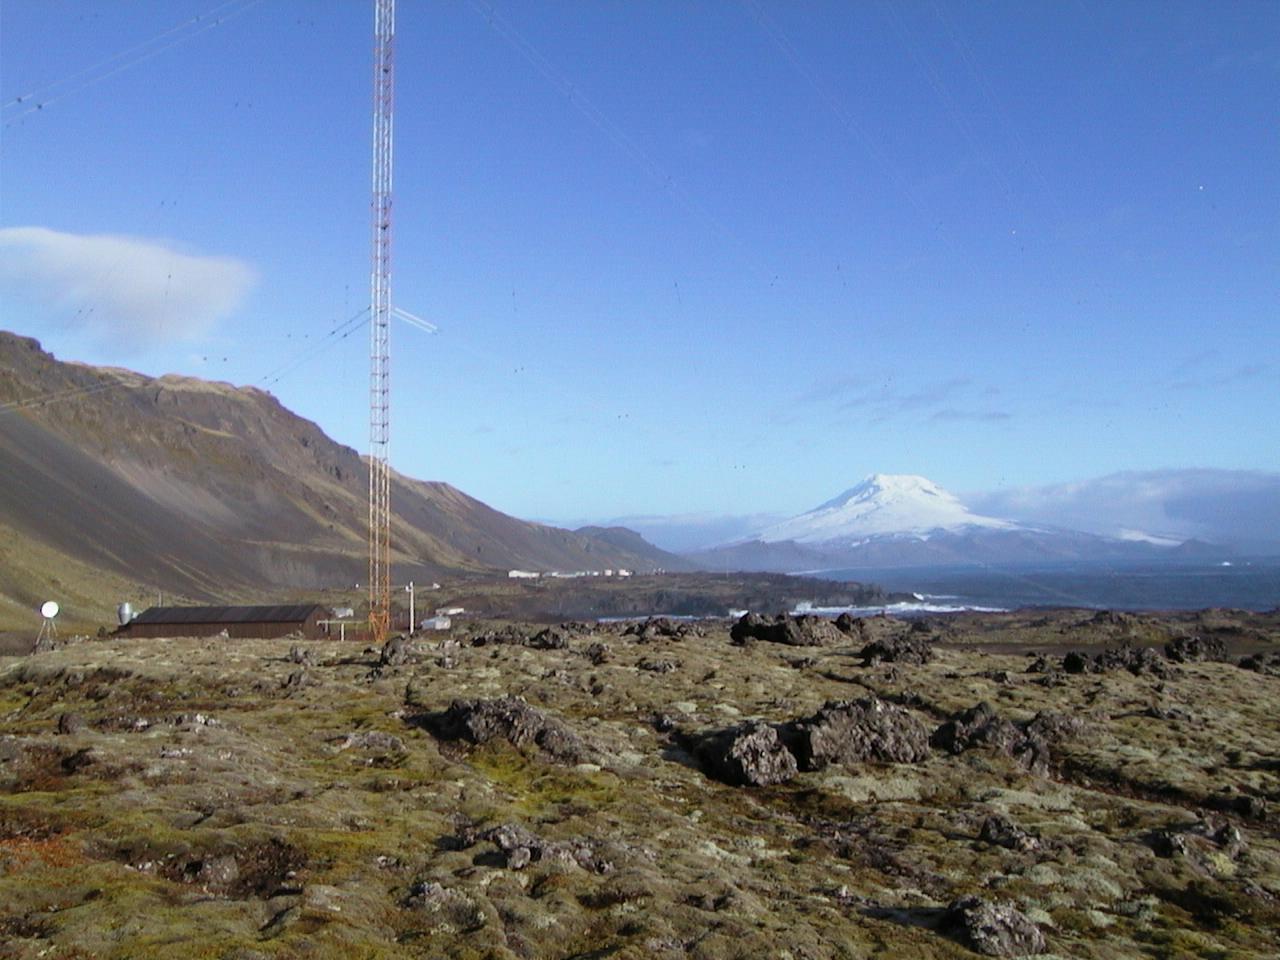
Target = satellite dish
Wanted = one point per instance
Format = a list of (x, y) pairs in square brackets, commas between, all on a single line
[(48, 629)]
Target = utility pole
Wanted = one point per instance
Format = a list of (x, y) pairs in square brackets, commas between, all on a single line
[(413, 622), (384, 28)]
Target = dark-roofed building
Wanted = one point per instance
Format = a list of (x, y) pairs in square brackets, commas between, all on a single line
[(241, 623)]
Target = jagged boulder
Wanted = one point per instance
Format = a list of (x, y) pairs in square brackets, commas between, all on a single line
[(1052, 727), (804, 630), (509, 634), (1268, 663), (1076, 662), (979, 726), (857, 731), (848, 624), (749, 627), (911, 648), (1000, 831), (1195, 648), (807, 630), (1205, 840), (394, 652), (751, 754), (1137, 660), (550, 638), (1030, 743), (994, 928), (511, 719), (656, 628)]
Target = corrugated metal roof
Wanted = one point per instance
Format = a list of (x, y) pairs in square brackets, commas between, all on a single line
[(283, 613)]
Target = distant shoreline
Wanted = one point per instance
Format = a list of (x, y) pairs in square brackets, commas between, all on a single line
[(1246, 583)]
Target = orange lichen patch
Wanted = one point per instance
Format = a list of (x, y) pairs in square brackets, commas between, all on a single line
[(55, 851)]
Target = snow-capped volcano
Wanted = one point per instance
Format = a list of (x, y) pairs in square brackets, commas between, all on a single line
[(883, 505), (909, 521)]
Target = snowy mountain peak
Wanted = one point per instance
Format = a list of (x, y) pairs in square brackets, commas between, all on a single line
[(883, 505), (889, 486)]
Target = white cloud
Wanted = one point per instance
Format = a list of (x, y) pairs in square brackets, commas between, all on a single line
[(119, 287), (1221, 506)]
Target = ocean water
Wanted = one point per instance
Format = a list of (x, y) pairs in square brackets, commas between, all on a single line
[(1248, 583)]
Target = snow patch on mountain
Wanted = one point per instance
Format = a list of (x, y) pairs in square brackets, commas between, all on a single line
[(1141, 536), (884, 505)]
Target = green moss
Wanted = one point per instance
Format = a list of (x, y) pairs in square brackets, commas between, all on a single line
[(345, 850), (538, 788), (183, 939), (77, 797), (1179, 943), (12, 699), (270, 777), (425, 939), (147, 833)]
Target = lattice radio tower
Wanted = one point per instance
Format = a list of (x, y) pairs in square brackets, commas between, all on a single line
[(384, 28)]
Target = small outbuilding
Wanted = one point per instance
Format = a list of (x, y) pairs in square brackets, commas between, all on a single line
[(239, 623)]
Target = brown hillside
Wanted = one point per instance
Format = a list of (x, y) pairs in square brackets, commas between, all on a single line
[(208, 490)]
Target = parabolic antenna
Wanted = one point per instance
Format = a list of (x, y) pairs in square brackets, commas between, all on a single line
[(49, 609)]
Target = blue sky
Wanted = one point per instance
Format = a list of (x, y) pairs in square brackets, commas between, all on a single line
[(684, 257)]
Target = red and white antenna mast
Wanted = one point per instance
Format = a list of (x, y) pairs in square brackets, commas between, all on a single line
[(384, 29)]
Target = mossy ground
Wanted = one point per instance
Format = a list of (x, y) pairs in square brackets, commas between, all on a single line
[(208, 809)]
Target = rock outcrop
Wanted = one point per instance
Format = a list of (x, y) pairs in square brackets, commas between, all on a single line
[(856, 731), (1030, 743), (1000, 831), (994, 928), (394, 652), (1195, 649), (911, 648), (804, 630), (1137, 660), (660, 628), (510, 719), (749, 755), (842, 732)]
